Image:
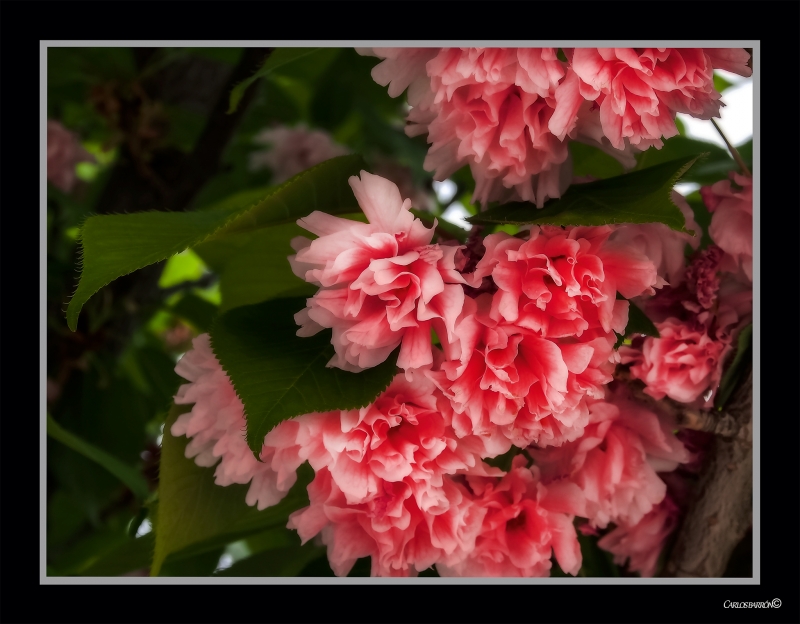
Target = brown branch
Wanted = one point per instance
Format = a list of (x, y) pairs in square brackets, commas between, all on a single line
[(720, 513)]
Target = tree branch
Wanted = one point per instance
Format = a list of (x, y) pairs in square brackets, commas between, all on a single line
[(721, 510)]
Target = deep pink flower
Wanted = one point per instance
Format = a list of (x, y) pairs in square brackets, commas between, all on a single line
[(64, 151), (389, 527), (616, 460), (216, 427), (292, 150), (382, 284), (641, 543), (561, 282), (702, 276), (640, 90), (524, 524), (731, 227)]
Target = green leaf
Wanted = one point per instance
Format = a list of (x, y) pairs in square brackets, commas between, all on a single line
[(115, 245), (638, 323), (130, 555), (589, 160), (196, 516), (638, 197), (183, 267), (712, 168), (195, 310), (279, 375), (720, 84), (87, 550), (287, 558), (125, 473), (278, 58), (702, 216), (746, 152), (596, 562), (257, 266), (733, 373)]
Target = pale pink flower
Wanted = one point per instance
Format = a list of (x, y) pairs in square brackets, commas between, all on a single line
[(216, 427), (616, 460), (382, 284), (731, 202), (389, 527), (292, 150), (641, 544), (661, 244), (64, 151), (639, 90), (524, 524), (561, 282), (682, 363), (401, 69), (403, 177)]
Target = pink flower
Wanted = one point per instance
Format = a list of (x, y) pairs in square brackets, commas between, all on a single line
[(405, 435), (616, 460), (64, 151), (641, 543), (292, 150), (389, 527), (512, 381), (640, 90), (661, 244), (486, 107), (682, 364), (562, 282), (731, 227), (382, 284), (525, 523), (216, 427)]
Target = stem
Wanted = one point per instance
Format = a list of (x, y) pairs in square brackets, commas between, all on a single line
[(734, 152)]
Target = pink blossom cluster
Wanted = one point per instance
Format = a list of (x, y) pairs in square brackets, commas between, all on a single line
[(699, 322), (504, 346), (509, 113), (64, 151)]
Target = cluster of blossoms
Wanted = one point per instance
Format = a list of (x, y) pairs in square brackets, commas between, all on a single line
[(505, 345), (64, 151), (509, 113), (526, 328)]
